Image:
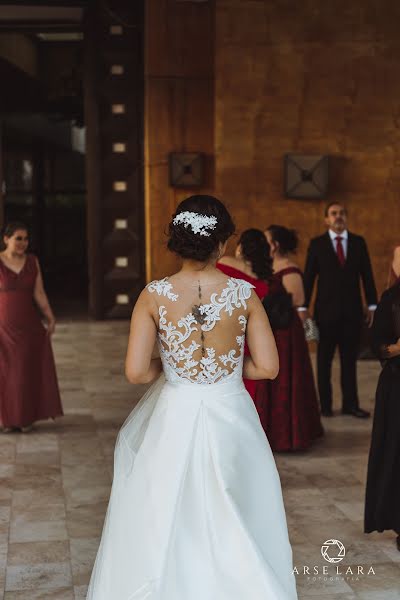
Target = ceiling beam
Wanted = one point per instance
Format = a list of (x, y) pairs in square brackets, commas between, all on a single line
[(14, 14)]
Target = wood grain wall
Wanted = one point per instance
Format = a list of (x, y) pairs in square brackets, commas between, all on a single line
[(312, 77), (179, 111), (246, 82)]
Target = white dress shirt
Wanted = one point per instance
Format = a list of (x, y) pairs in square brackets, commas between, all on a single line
[(345, 238)]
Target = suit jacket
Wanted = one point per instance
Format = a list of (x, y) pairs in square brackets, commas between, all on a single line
[(338, 288)]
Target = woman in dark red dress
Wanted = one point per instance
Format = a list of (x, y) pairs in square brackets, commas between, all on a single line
[(288, 405), (252, 262), (28, 381)]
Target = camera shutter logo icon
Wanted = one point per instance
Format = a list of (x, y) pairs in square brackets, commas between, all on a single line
[(333, 551)]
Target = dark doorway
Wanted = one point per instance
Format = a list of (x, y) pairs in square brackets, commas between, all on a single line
[(45, 188), (43, 157), (75, 71)]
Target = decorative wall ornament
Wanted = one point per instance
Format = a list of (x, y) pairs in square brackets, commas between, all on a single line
[(306, 176), (186, 169)]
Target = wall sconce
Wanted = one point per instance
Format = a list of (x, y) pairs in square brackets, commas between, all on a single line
[(118, 109), (122, 299), (120, 186), (121, 261), (186, 169), (117, 69), (121, 224), (119, 147), (116, 30), (306, 176)]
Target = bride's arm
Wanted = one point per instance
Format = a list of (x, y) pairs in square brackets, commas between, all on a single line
[(263, 362), (140, 367)]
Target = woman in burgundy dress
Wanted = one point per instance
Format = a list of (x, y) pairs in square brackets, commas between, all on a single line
[(288, 405), (28, 381), (252, 262)]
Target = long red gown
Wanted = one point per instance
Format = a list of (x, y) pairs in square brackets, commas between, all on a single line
[(28, 381), (288, 405), (261, 289)]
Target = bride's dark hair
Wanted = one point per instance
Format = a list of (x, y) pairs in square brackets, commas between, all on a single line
[(187, 244), (256, 250)]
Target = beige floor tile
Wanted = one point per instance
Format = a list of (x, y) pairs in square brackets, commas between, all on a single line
[(32, 553), (38, 576), (35, 513), (28, 476), (393, 594), (387, 577), (37, 496), (83, 554), (5, 494), (80, 592), (86, 521), (51, 594), (38, 531), (83, 475), (38, 458), (6, 471), (88, 495)]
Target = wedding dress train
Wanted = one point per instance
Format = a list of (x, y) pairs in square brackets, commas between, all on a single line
[(196, 509)]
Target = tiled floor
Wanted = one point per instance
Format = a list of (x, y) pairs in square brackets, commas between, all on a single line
[(55, 484)]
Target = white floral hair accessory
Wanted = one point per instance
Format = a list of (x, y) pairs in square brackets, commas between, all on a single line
[(198, 223)]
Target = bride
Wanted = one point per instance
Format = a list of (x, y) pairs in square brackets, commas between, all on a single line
[(196, 509)]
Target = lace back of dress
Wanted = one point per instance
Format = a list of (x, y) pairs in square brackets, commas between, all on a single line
[(202, 330)]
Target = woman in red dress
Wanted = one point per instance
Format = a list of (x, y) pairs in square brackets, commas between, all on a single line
[(252, 262), (288, 405), (28, 381)]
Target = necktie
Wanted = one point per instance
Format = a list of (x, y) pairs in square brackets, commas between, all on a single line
[(340, 250)]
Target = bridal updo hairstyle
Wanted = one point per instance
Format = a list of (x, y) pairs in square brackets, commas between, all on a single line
[(187, 244), (287, 239), (256, 250)]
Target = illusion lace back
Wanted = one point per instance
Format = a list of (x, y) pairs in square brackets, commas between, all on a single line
[(201, 334)]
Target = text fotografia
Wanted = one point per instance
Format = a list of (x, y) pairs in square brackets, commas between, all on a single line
[(329, 571)]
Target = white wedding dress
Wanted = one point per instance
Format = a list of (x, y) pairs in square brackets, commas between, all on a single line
[(196, 509)]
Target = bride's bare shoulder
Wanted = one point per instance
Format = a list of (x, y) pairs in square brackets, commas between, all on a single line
[(161, 287)]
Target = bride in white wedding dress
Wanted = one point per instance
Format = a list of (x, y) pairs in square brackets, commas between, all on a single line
[(196, 509)]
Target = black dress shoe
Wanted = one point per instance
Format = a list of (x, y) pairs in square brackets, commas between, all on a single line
[(327, 413), (357, 412)]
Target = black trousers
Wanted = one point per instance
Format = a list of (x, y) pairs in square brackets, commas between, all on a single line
[(344, 334)]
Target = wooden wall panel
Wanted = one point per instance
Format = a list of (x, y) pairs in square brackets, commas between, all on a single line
[(179, 111), (310, 77)]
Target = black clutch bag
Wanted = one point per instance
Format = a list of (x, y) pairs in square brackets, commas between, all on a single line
[(279, 308)]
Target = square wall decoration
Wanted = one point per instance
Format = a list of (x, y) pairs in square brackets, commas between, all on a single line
[(306, 176), (186, 169)]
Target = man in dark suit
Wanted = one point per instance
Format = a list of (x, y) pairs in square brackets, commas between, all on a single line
[(339, 259)]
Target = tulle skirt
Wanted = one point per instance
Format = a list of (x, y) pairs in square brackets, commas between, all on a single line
[(196, 509)]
